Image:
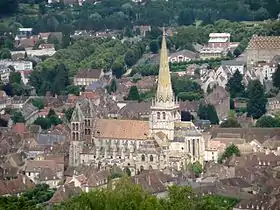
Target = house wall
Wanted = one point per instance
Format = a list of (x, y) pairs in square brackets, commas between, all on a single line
[(211, 155), (273, 106), (84, 81), (254, 55), (33, 175), (43, 52), (51, 183), (218, 44)]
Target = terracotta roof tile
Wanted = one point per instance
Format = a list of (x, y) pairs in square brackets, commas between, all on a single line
[(89, 73), (122, 129), (19, 128), (264, 42)]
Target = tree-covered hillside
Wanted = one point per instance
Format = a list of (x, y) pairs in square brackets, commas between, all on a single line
[(119, 14)]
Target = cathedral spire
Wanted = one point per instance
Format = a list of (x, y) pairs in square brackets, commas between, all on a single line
[(164, 89)]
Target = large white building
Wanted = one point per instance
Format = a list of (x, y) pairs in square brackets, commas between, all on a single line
[(18, 65), (163, 142)]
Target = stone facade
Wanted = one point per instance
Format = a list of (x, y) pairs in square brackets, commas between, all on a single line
[(262, 48), (162, 142)]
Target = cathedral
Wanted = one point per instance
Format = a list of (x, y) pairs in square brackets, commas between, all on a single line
[(163, 142)]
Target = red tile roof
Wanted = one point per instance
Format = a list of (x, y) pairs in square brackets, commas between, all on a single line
[(90, 95), (19, 128)]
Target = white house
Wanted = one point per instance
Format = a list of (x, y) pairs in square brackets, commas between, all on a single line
[(218, 77), (18, 65), (4, 74), (234, 65), (41, 52), (213, 150)]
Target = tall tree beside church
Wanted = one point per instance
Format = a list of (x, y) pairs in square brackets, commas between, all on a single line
[(133, 94), (276, 77), (208, 112), (256, 105), (61, 80), (235, 86)]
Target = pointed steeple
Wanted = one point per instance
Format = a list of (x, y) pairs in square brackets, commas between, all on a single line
[(77, 115), (164, 89)]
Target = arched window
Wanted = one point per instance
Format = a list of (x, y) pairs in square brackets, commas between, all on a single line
[(77, 126), (77, 137), (158, 115), (73, 126), (163, 115), (151, 158), (85, 122), (73, 136), (143, 157), (88, 123)]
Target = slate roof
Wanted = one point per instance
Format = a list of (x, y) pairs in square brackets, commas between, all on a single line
[(49, 139)]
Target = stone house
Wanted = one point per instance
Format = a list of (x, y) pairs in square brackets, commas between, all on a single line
[(234, 65), (49, 177), (262, 48), (154, 182), (135, 110), (15, 186), (215, 77), (63, 193), (86, 77), (90, 179), (273, 104), (262, 202), (48, 170), (220, 99)]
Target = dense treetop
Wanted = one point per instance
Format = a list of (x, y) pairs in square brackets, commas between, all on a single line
[(124, 13)]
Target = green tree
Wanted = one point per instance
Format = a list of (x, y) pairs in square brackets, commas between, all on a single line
[(72, 89), (130, 58), (8, 43), (208, 112), (15, 77), (276, 77), (256, 105), (68, 113), (154, 46), (65, 41), (118, 69), (268, 122), (235, 85), (18, 117), (44, 122), (230, 123), (133, 94), (196, 168), (113, 86), (38, 102), (229, 151), (61, 80), (53, 118), (5, 53)]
